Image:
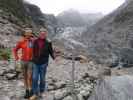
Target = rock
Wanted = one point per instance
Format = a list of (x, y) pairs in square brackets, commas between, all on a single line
[(4, 98), (85, 91), (4, 63), (114, 88), (60, 85), (2, 71), (60, 94), (80, 97), (83, 59), (105, 71), (68, 98), (11, 76), (86, 75), (53, 84), (51, 88), (122, 58), (126, 57), (99, 73)]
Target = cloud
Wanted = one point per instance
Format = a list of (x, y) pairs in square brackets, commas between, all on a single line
[(57, 6)]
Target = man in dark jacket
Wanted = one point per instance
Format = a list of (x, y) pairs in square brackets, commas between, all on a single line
[(42, 48)]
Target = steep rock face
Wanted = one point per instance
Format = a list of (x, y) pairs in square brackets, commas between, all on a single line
[(15, 7), (13, 19), (110, 34), (15, 14), (18, 14), (9, 23), (35, 13), (12, 15)]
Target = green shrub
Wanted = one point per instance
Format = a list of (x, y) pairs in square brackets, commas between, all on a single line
[(5, 54)]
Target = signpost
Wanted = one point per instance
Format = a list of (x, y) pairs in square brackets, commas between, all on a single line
[(69, 46)]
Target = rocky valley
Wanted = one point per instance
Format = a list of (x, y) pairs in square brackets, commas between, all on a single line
[(101, 47)]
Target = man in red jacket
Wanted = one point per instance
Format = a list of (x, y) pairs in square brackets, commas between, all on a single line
[(26, 47)]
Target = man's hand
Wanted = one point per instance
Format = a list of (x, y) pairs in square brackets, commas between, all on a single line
[(57, 59)]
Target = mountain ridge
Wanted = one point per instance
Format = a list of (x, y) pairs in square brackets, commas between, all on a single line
[(73, 17), (110, 34)]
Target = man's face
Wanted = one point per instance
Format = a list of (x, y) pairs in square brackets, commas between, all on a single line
[(43, 35), (28, 37)]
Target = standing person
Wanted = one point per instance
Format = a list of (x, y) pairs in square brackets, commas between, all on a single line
[(41, 50), (26, 46)]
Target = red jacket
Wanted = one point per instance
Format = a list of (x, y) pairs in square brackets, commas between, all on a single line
[(27, 51)]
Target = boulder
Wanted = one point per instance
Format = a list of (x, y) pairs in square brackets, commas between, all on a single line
[(11, 76), (4, 98), (114, 88)]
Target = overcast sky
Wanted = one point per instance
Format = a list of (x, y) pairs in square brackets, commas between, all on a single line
[(89, 6)]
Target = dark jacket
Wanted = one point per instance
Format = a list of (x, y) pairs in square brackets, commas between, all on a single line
[(44, 53)]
